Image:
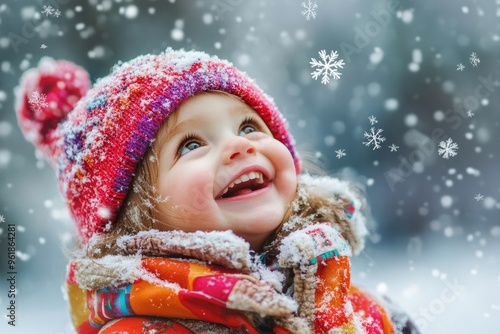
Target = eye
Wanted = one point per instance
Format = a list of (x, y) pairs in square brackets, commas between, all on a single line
[(189, 143), (246, 130), (249, 125), (192, 145)]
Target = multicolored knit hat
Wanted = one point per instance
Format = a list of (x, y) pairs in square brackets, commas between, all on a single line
[(96, 137)]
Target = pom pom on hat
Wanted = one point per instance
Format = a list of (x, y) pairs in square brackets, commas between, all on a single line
[(97, 137), (46, 95)]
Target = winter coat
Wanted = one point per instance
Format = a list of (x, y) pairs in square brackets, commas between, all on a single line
[(176, 282), (210, 282)]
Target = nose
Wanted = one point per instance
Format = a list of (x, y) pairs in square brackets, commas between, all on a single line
[(237, 147)]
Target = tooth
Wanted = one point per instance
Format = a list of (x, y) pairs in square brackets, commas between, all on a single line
[(237, 181), (244, 178), (231, 185), (225, 191), (252, 175), (260, 179)]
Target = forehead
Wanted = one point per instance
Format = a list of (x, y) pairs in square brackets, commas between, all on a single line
[(204, 104)]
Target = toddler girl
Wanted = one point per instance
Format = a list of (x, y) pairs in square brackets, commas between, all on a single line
[(192, 213)]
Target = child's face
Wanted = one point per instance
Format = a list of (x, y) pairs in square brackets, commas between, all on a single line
[(221, 169)]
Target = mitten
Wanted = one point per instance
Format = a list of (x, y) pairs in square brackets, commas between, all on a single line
[(319, 257)]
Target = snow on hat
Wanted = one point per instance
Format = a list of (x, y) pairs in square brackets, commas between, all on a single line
[(96, 136)]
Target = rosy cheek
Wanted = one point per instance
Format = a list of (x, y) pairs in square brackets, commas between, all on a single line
[(197, 193)]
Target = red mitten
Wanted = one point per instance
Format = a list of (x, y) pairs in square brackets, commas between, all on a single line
[(319, 256)]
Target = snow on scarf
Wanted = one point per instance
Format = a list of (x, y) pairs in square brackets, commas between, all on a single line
[(207, 282)]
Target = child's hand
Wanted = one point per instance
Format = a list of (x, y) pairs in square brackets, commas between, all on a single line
[(311, 245), (319, 256)]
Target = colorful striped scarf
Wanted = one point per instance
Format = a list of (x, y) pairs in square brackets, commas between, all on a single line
[(207, 282)]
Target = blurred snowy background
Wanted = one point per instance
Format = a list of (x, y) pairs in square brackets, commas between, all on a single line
[(420, 71)]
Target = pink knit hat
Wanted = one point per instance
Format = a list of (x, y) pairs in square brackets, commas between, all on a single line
[(95, 137)]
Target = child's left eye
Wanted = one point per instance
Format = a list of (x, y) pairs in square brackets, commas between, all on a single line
[(188, 147), (247, 129), (249, 125)]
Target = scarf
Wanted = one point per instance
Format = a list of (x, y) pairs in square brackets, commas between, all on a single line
[(209, 282)]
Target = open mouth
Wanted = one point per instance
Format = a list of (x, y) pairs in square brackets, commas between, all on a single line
[(245, 184)]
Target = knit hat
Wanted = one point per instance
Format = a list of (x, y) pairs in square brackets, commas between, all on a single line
[(95, 137)]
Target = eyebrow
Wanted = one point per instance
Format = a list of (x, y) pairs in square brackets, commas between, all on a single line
[(182, 127)]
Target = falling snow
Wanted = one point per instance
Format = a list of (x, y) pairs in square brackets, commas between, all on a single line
[(374, 138), (474, 60), (340, 153), (48, 10), (479, 197), (328, 66), (442, 204), (37, 101), (309, 10), (394, 148), (447, 148)]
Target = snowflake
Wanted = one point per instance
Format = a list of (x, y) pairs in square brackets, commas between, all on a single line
[(340, 153), (470, 113), (474, 60), (328, 67), (57, 13), (447, 149), (374, 137), (37, 101), (372, 119), (479, 197), (309, 10), (48, 10), (394, 148), (460, 67), (43, 46), (2, 219)]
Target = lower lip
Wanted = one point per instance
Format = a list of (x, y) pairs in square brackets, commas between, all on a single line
[(248, 196)]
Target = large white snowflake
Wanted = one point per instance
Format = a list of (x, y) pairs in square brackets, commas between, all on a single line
[(37, 101), (327, 67), (447, 148), (309, 10), (374, 137)]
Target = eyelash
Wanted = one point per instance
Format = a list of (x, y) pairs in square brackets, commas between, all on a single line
[(190, 136), (252, 121)]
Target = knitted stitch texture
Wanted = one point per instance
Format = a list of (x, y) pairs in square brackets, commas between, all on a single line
[(96, 146)]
